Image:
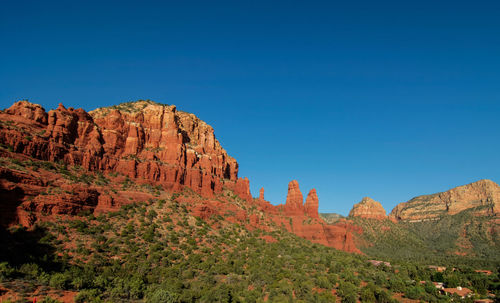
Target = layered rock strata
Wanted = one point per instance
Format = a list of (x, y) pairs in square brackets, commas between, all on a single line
[(369, 209), (481, 197), (143, 140), (140, 142)]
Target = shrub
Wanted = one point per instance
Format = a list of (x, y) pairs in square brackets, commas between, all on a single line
[(88, 295), (347, 291), (31, 270), (161, 296), (396, 284), (367, 294), (59, 281), (49, 300), (5, 271), (414, 292)]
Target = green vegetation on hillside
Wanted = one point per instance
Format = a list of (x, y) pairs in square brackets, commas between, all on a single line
[(330, 217), (463, 238), (157, 252)]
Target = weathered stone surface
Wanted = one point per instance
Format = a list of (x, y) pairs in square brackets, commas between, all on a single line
[(15, 188), (28, 111), (294, 200), (304, 221), (482, 196), (339, 235), (368, 209), (312, 204), (144, 140), (71, 200), (149, 143)]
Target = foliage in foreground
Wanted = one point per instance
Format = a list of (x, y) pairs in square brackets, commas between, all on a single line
[(158, 252)]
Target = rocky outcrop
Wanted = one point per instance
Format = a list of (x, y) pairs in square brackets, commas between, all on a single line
[(312, 204), (28, 196), (70, 200), (294, 200), (17, 187), (481, 197), (295, 206), (339, 235), (368, 209), (29, 111), (303, 220), (143, 140)]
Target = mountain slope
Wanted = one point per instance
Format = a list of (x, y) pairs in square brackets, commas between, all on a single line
[(143, 142), (139, 202), (483, 196), (143, 139), (463, 238), (460, 224)]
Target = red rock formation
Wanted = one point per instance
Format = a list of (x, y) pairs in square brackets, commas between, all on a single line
[(26, 197), (143, 140), (304, 221), (70, 201), (29, 111), (261, 194), (15, 188), (368, 209), (294, 200), (312, 204), (241, 187), (149, 143), (339, 235)]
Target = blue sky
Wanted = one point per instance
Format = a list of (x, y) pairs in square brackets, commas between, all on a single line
[(387, 99)]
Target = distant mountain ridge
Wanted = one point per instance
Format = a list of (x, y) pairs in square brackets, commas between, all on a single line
[(463, 222), (483, 197)]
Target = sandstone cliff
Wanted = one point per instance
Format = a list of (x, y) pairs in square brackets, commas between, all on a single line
[(312, 204), (294, 205), (65, 161), (368, 209), (143, 140), (303, 220), (481, 197)]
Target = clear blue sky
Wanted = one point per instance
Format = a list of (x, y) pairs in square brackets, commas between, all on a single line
[(387, 99)]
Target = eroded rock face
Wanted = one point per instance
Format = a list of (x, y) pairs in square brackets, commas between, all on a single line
[(294, 200), (295, 205), (29, 111), (71, 200), (312, 204), (304, 221), (27, 197), (149, 143), (482, 196), (142, 139), (339, 235), (368, 209)]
